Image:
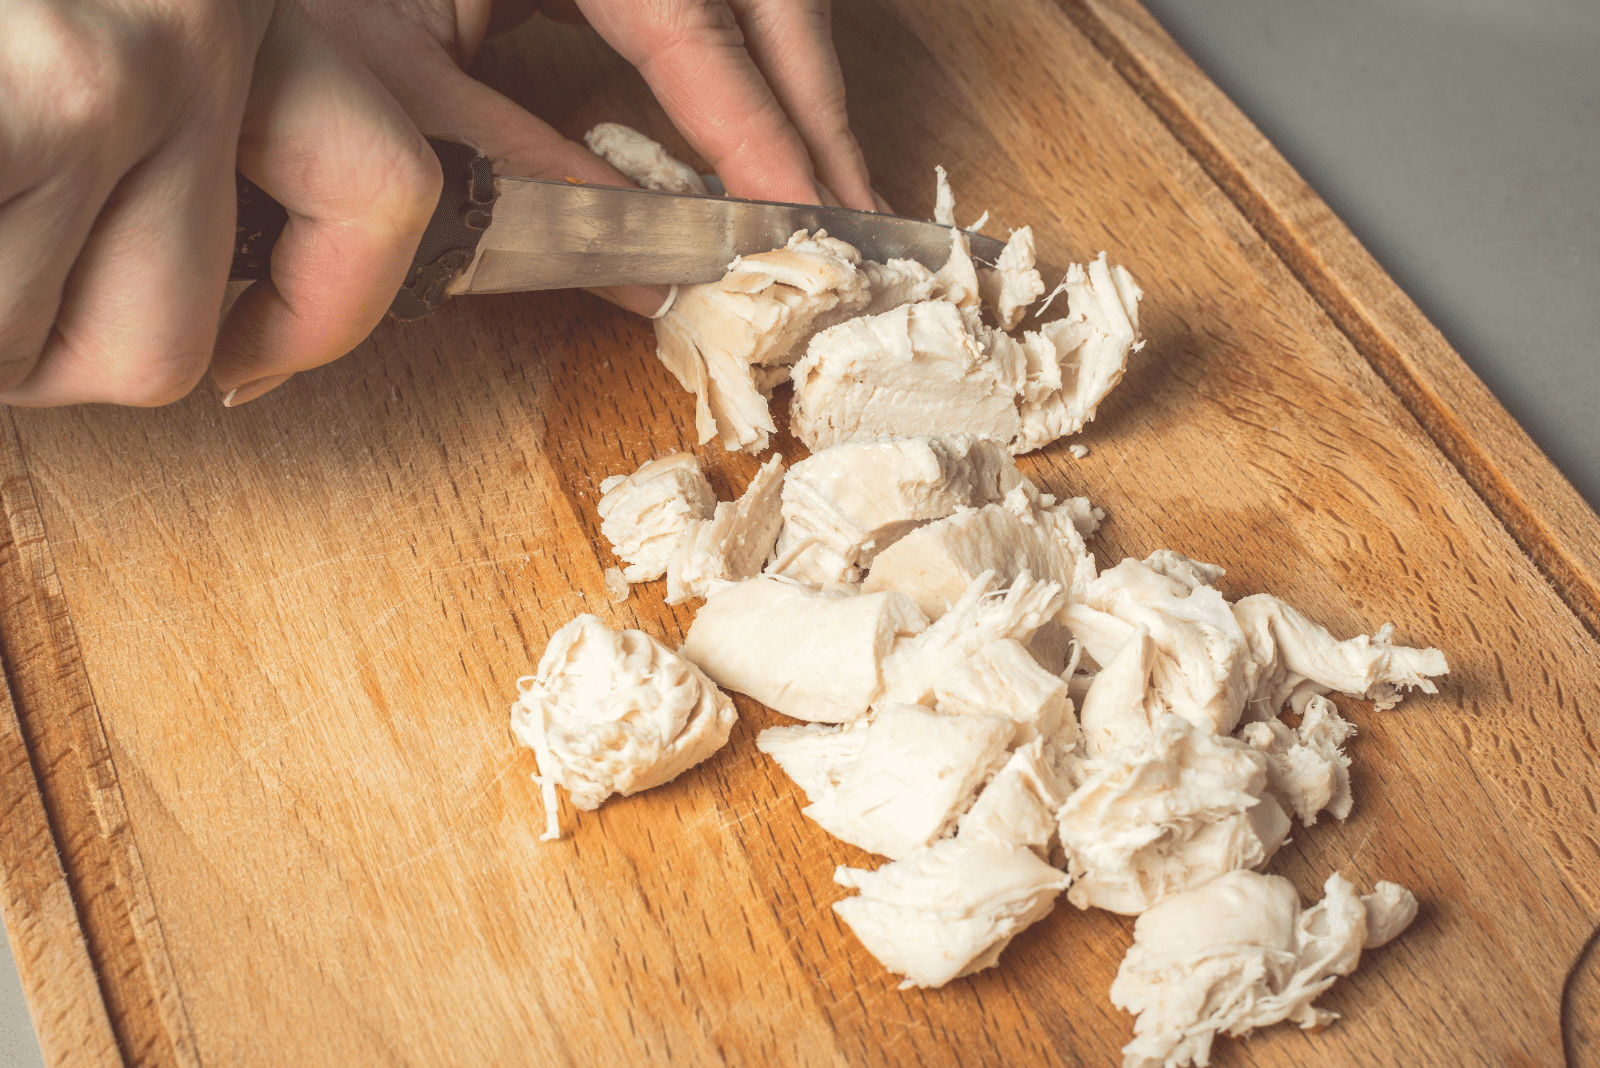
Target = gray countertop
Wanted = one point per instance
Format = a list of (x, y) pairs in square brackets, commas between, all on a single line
[(1460, 141)]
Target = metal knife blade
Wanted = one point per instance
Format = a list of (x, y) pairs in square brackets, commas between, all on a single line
[(556, 235)]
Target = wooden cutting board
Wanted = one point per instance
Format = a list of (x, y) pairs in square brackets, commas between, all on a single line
[(261, 802)]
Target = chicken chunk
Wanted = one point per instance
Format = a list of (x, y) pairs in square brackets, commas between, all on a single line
[(934, 564), (1307, 768), (913, 370), (719, 337), (917, 663), (644, 515), (644, 161), (949, 910), (917, 772), (734, 543), (842, 506), (613, 712), (1296, 658), (1157, 820), (1089, 351), (1018, 807), (1003, 679), (1239, 953), (811, 654), (897, 282), (1012, 283)]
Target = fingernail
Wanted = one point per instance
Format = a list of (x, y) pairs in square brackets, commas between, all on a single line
[(251, 390)]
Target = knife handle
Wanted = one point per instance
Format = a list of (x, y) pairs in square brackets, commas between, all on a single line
[(466, 203)]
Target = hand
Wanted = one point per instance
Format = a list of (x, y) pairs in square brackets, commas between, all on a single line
[(119, 136)]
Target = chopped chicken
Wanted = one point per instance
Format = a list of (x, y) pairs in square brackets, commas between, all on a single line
[(1296, 658), (718, 335), (917, 772), (613, 712), (1079, 359), (811, 654), (918, 661), (1002, 679), (843, 506), (1157, 820), (949, 910), (1214, 663), (1239, 953), (645, 514), (1307, 768), (898, 282), (1078, 451), (1018, 807), (1199, 659), (913, 370), (1013, 283), (732, 545), (935, 564), (815, 756), (616, 585), (644, 161)]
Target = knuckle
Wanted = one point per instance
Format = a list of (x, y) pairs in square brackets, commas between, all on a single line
[(82, 73)]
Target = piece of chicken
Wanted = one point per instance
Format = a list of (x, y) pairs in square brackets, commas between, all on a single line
[(1152, 821), (949, 910), (644, 515), (913, 370), (734, 543), (811, 654), (612, 712), (1012, 283), (1307, 768), (717, 338), (916, 773), (842, 506), (1238, 953), (644, 161)]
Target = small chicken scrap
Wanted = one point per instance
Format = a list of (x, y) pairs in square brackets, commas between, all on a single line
[(613, 712), (646, 514), (644, 161)]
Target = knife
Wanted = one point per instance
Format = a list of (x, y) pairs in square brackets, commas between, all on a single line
[(494, 234)]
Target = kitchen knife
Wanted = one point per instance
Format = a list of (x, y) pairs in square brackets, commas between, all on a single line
[(493, 234)]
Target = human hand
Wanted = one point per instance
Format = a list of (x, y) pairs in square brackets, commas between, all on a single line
[(120, 130)]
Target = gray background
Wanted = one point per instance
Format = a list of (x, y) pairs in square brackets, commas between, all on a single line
[(1460, 140)]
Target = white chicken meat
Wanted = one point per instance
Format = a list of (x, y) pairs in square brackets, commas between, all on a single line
[(718, 336), (611, 712), (843, 506), (645, 514), (949, 910), (1156, 820), (1238, 953), (644, 161), (811, 654), (733, 543)]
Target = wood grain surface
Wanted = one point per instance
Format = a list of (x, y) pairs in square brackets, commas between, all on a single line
[(262, 803)]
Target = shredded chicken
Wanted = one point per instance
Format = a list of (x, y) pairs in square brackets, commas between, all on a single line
[(734, 543), (645, 514), (949, 910), (1239, 953), (644, 161), (611, 712), (811, 654), (1307, 768), (843, 506), (717, 336), (1156, 820)]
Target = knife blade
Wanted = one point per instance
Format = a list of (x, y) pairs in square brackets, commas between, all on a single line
[(497, 234)]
